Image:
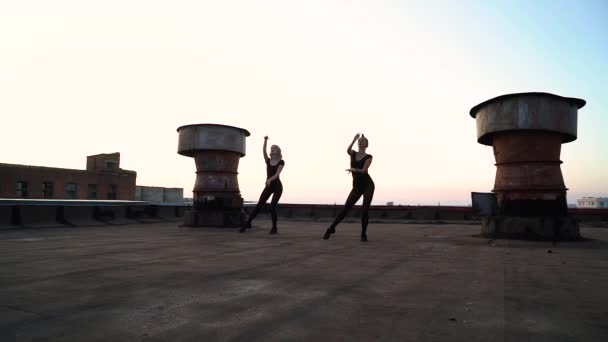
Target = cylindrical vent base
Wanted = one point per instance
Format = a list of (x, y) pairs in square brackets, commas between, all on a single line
[(216, 150), (529, 179)]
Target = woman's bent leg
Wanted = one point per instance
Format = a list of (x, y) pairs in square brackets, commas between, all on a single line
[(353, 197), (263, 198)]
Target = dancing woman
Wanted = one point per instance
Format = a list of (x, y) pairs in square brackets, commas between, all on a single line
[(363, 185), (274, 166)]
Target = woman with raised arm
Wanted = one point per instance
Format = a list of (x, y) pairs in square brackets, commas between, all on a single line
[(274, 166), (363, 185)]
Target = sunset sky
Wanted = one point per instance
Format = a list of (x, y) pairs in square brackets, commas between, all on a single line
[(84, 77)]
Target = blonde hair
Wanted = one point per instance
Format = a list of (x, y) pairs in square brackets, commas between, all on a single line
[(279, 153)]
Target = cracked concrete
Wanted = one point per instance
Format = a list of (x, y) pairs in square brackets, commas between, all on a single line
[(158, 282)]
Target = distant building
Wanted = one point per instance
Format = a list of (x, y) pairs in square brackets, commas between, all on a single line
[(592, 202), (103, 179), (158, 194)]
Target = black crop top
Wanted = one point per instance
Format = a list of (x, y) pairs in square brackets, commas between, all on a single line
[(358, 164), (271, 170), (360, 180)]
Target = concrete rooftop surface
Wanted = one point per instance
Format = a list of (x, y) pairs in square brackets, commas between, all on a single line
[(410, 282)]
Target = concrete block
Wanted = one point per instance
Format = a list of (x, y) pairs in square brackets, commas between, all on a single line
[(451, 215), (81, 216), (425, 213), (114, 215), (9, 217), (139, 196), (152, 194), (167, 213), (144, 214), (378, 214), (325, 212), (216, 218), (173, 195), (284, 212), (39, 216)]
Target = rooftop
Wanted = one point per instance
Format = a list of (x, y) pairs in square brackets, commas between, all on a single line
[(408, 283)]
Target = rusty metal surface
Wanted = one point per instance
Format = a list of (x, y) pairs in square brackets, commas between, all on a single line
[(545, 203), (216, 150), (530, 197), (532, 176), (525, 146), (530, 194), (532, 203), (528, 166), (216, 174), (217, 161), (580, 103), (207, 137), (207, 183), (526, 131), (527, 111)]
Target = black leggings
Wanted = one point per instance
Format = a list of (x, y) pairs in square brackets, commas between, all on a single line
[(277, 190), (353, 197)]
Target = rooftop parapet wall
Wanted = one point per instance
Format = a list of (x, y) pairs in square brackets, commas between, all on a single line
[(15, 214), (56, 213)]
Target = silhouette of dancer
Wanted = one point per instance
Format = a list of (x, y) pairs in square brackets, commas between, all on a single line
[(362, 185), (274, 166)]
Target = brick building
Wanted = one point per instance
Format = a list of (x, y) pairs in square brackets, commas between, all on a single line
[(103, 179)]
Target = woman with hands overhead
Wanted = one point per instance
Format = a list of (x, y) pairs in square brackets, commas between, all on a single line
[(274, 166), (363, 185)]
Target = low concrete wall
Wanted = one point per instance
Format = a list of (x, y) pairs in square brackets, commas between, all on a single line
[(379, 212), (144, 214), (6, 217), (70, 213), (40, 216), (303, 211), (589, 215), (57, 213), (80, 216), (169, 213)]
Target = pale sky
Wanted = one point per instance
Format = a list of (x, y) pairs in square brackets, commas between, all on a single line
[(86, 77)]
